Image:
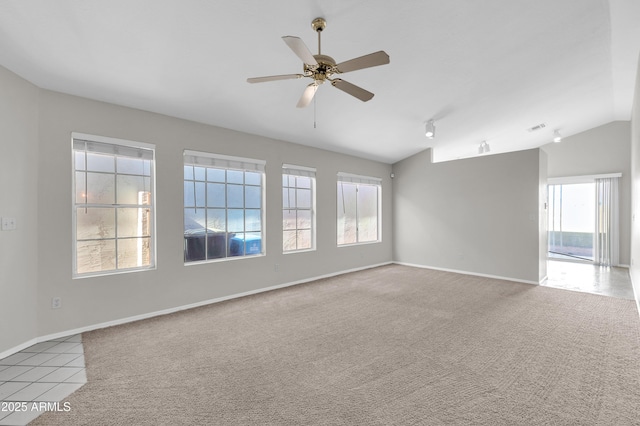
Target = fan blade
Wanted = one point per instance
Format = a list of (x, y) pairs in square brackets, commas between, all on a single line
[(352, 89), (307, 95), (366, 61), (274, 78), (299, 48)]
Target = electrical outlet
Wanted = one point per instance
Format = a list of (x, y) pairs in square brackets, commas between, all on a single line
[(276, 267), (8, 223), (56, 303)]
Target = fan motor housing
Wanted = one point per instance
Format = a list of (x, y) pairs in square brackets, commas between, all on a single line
[(326, 67)]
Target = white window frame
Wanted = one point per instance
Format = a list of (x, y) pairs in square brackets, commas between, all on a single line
[(125, 146), (301, 171), (228, 163), (359, 180)]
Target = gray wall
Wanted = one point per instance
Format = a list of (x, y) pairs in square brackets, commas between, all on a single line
[(634, 269), (100, 299), (477, 215), (601, 150), (18, 199), (36, 259)]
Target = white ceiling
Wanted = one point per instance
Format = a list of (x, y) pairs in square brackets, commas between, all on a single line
[(484, 70)]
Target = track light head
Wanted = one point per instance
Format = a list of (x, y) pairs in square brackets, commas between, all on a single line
[(557, 137), (430, 130)]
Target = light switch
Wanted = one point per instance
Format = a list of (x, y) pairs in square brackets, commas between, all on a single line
[(8, 223)]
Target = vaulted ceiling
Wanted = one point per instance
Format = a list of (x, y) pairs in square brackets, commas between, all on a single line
[(483, 70)]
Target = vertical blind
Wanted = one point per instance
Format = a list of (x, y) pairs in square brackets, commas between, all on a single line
[(606, 250)]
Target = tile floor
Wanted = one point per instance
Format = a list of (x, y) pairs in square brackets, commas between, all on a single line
[(589, 278), (46, 372)]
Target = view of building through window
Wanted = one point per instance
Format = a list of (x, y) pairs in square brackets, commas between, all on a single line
[(113, 207), (298, 199), (222, 207), (358, 210)]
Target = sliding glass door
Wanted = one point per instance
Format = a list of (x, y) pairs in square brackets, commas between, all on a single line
[(572, 215)]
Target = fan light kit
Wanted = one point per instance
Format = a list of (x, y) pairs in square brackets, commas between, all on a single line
[(321, 68)]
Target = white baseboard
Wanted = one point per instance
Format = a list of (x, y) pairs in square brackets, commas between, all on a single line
[(456, 271), (18, 348), (635, 295), (120, 321)]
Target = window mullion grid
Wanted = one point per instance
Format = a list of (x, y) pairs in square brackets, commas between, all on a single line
[(227, 185), (244, 215), (357, 218), (115, 206), (312, 213), (195, 202), (86, 192), (378, 212), (226, 214), (287, 188), (206, 214), (295, 191)]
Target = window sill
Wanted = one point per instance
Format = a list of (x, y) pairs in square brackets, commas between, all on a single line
[(298, 251), (223, 259), (364, 243), (116, 272)]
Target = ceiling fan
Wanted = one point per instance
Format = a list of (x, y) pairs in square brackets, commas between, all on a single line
[(321, 68)]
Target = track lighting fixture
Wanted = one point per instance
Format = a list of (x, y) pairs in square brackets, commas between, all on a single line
[(484, 147), (430, 129), (557, 137)]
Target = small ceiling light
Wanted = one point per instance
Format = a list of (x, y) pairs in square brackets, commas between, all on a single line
[(430, 129), (557, 137), (484, 147)]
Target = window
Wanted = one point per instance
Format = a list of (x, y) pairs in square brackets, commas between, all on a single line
[(113, 206), (583, 218), (298, 208), (223, 206), (358, 209), (572, 216)]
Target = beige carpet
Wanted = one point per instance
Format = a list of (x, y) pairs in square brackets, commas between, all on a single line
[(388, 346)]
